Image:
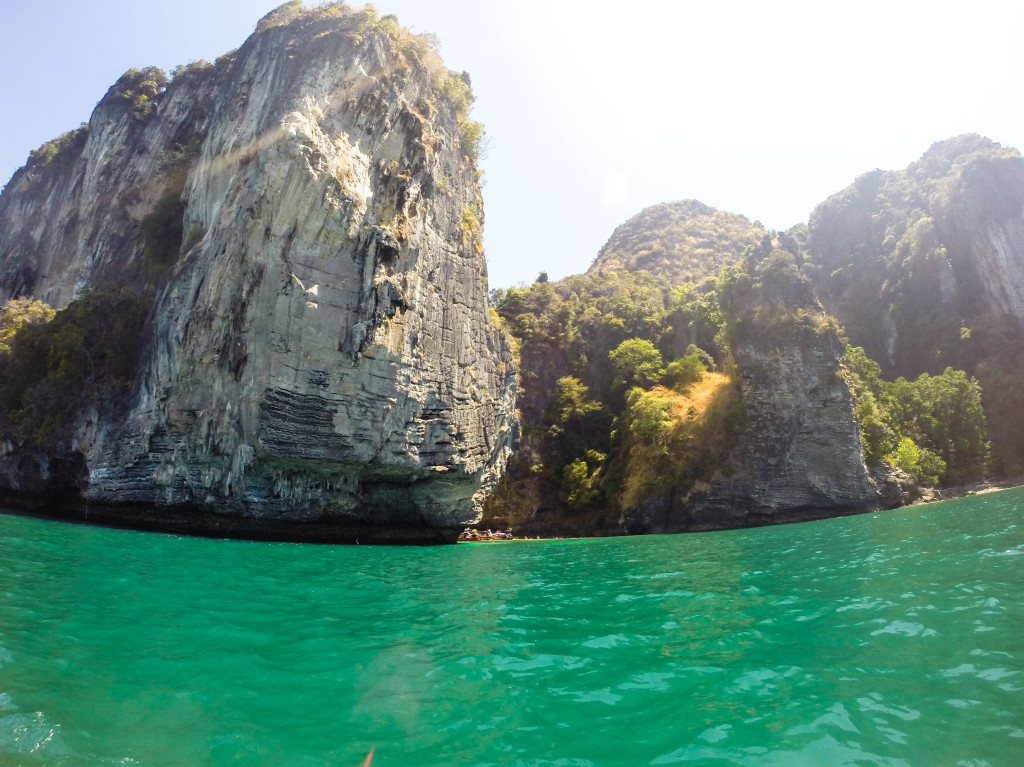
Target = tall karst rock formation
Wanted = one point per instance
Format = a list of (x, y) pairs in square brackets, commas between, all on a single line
[(924, 268), (797, 454), (306, 216)]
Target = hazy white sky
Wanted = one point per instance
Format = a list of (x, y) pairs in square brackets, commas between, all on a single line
[(597, 109)]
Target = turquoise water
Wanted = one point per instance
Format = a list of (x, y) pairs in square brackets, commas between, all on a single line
[(888, 639)]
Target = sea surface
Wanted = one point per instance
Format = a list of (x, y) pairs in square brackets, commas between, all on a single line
[(888, 639)]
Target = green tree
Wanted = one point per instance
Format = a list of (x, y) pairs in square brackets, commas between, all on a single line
[(573, 404), (872, 405), (17, 313), (637, 362), (579, 484), (686, 370), (955, 426), (647, 416), (923, 464), (141, 88), (877, 436)]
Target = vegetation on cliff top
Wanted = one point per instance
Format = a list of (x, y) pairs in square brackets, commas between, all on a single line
[(682, 241), (61, 151), (140, 89), (418, 51)]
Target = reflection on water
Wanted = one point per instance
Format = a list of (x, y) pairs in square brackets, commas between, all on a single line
[(890, 639)]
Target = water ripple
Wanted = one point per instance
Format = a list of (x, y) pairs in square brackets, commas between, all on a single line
[(889, 639)]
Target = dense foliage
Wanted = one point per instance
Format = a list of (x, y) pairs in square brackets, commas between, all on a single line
[(58, 363), (932, 427), (140, 88), (16, 314), (621, 399)]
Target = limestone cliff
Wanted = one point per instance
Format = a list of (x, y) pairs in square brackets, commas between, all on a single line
[(924, 268), (944, 235), (797, 454), (320, 345)]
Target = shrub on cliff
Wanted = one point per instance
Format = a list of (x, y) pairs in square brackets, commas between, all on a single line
[(774, 302), (921, 463), (61, 151), (16, 314), (141, 89), (280, 16), (686, 370)]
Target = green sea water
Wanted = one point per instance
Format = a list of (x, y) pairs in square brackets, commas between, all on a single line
[(886, 639)]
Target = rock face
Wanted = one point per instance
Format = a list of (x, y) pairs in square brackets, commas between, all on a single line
[(797, 454), (322, 347), (904, 256), (924, 268)]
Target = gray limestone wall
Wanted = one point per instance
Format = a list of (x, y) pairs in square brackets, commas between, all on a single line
[(323, 348)]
